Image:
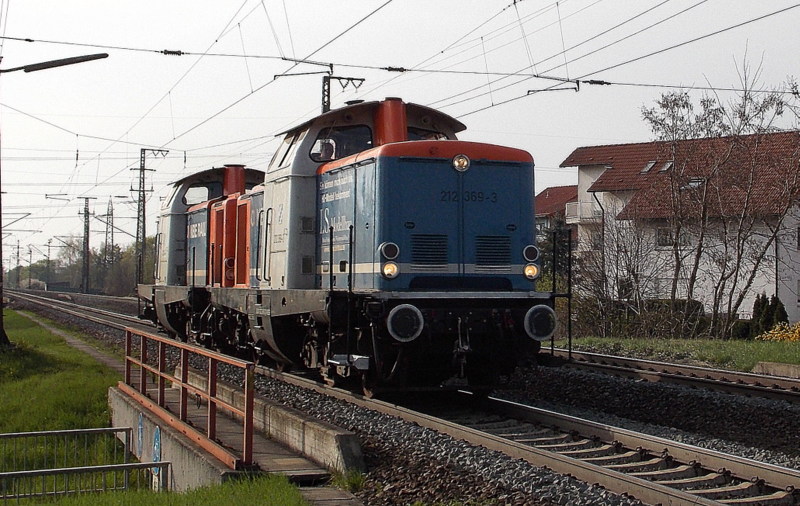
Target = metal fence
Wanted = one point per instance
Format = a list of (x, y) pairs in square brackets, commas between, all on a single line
[(56, 463), (136, 386)]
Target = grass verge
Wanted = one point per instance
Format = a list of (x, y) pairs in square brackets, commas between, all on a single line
[(269, 490), (730, 354), (45, 384)]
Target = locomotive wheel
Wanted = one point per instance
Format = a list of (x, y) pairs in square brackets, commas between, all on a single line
[(309, 355), (369, 385), (330, 376)]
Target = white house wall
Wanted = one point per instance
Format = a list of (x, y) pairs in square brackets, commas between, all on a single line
[(658, 284)]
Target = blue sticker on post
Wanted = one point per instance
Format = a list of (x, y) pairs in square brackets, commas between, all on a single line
[(140, 436), (156, 448)]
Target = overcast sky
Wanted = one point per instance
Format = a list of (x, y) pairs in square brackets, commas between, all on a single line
[(77, 131)]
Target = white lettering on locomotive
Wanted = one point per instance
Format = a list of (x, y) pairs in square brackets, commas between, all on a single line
[(197, 230)]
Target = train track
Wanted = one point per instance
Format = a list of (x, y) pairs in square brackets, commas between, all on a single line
[(651, 469), (739, 383), (105, 317)]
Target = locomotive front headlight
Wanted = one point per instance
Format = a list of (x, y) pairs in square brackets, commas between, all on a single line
[(531, 271), (531, 253), (389, 250), (390, 270), (461, 162)]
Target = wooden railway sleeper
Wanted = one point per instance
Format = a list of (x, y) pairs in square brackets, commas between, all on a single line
[(710, 480), (543, 441), (520, 427), (779, 498), (626, 457), (490, 426), (652, 464), (742, 489), (597, 451), (665, 476), (530, 433), (568, 447)]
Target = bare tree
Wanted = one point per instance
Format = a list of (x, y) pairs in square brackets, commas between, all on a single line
[(733, 183)]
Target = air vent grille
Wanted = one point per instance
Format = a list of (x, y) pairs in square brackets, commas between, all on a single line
[(492, 253), (429, 251)]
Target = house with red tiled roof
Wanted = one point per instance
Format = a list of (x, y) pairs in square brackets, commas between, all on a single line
[(551, 205), (712, 219)]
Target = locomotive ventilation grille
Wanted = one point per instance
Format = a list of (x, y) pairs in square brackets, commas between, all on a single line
[(492, 253), (429, 251)]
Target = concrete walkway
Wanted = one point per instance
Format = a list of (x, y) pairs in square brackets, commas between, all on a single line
[(268, 454)]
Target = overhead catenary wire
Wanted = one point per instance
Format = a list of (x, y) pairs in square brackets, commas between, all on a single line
[(630, 19), (650, 54)]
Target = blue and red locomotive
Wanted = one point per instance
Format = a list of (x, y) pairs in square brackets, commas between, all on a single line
[(375, 247)]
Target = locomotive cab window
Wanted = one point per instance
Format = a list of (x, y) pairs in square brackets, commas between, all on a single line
[(201, 192), (420, 134), (337, 142), (285, 152)]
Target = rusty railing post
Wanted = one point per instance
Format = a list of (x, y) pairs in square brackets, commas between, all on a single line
[(184, 380), (128, 337), (212, 395), (162, 365), (142, 370), (249, 394)]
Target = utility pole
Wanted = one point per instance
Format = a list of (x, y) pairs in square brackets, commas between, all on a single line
[(85, 269), (47, 268), (109, 253), (19, 270), (326, 88), (30, 265), (141, 238)]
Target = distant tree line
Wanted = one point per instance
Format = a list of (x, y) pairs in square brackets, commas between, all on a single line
[(111, 272)]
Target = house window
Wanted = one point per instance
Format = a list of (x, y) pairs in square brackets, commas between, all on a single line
[(666, 166), (596, 240), (694, 183), (648, 166), (625, 288), (664, 237)]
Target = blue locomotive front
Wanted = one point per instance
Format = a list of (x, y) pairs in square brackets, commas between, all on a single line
[(427, 248)]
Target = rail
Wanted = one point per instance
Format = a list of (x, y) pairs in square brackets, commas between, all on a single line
[(735, 382), (138, 390)]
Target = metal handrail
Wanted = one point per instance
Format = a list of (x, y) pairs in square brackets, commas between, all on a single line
[(209, 394), (8, 489)]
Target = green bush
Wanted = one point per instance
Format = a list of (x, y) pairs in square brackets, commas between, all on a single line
[(653, 318), (741, 330)]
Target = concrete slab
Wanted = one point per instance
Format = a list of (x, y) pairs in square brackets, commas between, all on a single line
[(326, 444), (327, 496), (778, 369)]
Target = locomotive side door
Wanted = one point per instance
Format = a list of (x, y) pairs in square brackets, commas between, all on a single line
[(494, 226)]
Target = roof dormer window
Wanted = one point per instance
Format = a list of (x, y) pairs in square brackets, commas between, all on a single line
[(694, 183), (667, 165), (649, 166)]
